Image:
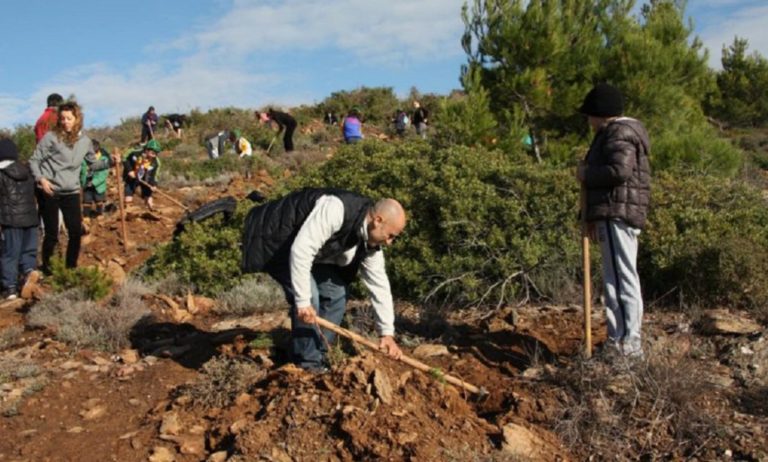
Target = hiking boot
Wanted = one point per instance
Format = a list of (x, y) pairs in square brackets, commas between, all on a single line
[(29, 284), (9, 294)]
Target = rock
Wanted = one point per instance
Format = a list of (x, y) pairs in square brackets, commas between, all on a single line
[(94, 413), (116, 273), (75, 430), (193, 445), (129, 356), (429, 350), (719, 322), (101, 361), (119, 260), (242, 399), (407, 438), (128, 435), (382, 386), (134, 402), (520, 442), (170, 424), (199, 304), (69, 365), (136, 443), (219, 456), (150, 360), (162, 454), (533, 373), (238, 426), (278, 455)]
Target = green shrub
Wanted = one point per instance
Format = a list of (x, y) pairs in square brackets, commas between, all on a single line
[(206, 255), (481, 227), (706, 242), (89, 280), (376, 104)]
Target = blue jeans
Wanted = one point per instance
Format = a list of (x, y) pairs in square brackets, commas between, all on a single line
[(329, 298), (19, 254)]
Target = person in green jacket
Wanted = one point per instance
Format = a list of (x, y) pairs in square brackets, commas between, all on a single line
[(93, 177)]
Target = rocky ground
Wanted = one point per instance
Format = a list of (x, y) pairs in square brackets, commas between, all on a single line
[(195, 386)]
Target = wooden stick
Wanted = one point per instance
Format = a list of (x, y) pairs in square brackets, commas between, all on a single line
[(167, 196), (416, 364), (587, 300), (120, 197), (271, 143)]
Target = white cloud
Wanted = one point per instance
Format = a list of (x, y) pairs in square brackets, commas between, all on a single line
[(749, 23), (373, 30)]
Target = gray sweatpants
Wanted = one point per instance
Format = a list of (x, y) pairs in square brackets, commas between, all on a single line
[(623, 299)]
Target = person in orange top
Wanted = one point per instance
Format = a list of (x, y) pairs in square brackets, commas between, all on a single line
[(48, 118)]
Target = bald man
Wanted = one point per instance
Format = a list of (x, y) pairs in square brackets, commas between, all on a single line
[(314, 242)]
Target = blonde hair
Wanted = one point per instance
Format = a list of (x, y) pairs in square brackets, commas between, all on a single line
[(71, 137)]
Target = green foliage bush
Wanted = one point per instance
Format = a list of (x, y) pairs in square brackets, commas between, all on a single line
[(205, 256), (481, 227), (376, 104), (706, 243), (90, 280)]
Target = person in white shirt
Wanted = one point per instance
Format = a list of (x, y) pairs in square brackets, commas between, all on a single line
[(314, 242)]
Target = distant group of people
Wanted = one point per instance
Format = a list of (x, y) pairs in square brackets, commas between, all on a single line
[(352, 123), (149, 121)]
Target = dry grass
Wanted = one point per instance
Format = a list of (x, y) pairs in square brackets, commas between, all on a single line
[(84, 323), (19, 374), (10, 336), (223, 380), (639, 409), (254, 294)]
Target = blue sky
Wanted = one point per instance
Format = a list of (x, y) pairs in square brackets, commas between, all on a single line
[(120, 57)]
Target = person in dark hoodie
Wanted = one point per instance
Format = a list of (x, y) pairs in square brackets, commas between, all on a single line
[(18, 219), (616, 175)]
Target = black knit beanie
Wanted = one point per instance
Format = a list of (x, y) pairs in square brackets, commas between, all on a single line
[(603, 101), (8, 150)]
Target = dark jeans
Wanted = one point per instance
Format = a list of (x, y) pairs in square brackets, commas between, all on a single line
[(329, 298), (19, 254), (130, 188), (69, 204), (288, 137)]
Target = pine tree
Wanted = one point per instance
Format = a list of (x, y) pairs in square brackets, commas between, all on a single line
[(743, 100), (538, 59)]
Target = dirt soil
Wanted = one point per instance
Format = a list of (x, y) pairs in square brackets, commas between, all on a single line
[(161, 401)]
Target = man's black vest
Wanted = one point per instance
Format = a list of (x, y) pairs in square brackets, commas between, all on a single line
[(271, 228)]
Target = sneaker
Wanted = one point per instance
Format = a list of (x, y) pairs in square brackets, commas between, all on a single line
[(9, 294), (30, 284)]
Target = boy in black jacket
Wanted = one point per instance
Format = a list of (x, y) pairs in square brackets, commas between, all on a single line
[(18, 218)]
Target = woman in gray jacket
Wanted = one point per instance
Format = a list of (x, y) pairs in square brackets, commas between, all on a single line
[(56, 165)]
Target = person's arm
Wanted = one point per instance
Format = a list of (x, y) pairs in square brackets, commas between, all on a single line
[(325, 219), (374, 275), (40, 155)]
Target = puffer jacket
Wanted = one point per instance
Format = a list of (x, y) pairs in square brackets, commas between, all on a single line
[(17, 196), (271, 228), (618, 173)]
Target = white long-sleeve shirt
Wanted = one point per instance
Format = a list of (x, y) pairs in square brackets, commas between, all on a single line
[(325, 219)]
